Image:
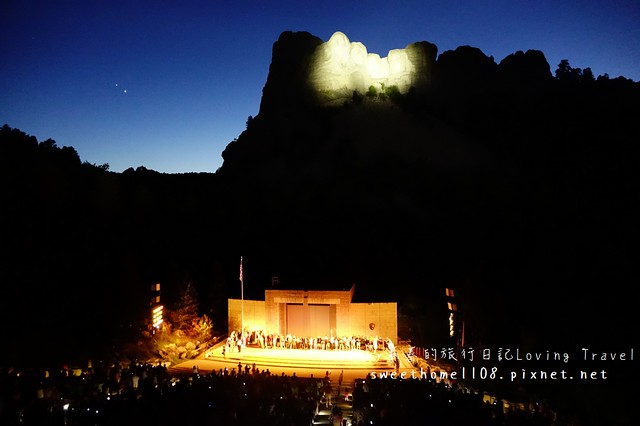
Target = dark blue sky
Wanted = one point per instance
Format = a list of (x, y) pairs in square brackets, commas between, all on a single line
[(168, 84)]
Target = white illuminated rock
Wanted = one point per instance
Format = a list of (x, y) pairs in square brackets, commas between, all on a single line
[(340, 67)]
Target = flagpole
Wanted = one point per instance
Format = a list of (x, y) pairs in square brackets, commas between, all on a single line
[(242, 300)]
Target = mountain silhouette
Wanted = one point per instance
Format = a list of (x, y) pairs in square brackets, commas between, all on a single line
[(508, 183), (513, 185)]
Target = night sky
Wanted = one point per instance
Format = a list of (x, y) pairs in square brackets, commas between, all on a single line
[(167, 85)]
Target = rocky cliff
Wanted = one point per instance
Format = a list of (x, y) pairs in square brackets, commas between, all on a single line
[(439, 170)]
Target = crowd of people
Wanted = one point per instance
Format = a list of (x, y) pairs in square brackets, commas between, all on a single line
[(434, 402), (260, 338), (146, 394)]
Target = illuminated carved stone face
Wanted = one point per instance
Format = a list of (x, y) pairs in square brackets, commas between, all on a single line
[(340, 67)]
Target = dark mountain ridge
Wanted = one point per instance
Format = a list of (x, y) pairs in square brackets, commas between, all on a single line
[(513, 186)]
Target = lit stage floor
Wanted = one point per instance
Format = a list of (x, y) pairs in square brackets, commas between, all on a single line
[(357, 359)]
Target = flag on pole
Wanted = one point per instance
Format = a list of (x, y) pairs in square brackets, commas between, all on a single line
[(242, 305)]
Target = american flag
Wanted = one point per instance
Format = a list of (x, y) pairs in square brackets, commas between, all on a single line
[(240, 268)]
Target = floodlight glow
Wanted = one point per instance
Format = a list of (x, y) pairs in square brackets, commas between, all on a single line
[(340, 67), (377, 67)]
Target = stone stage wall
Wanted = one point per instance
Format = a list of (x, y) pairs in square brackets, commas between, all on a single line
[(344, 318)]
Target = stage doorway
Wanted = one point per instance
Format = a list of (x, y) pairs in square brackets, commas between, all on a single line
[(308, 320)]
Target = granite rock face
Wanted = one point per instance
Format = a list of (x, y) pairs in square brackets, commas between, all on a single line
[(324, 99), (526, 67), (341, 67), (287, 82), (306, 70)]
